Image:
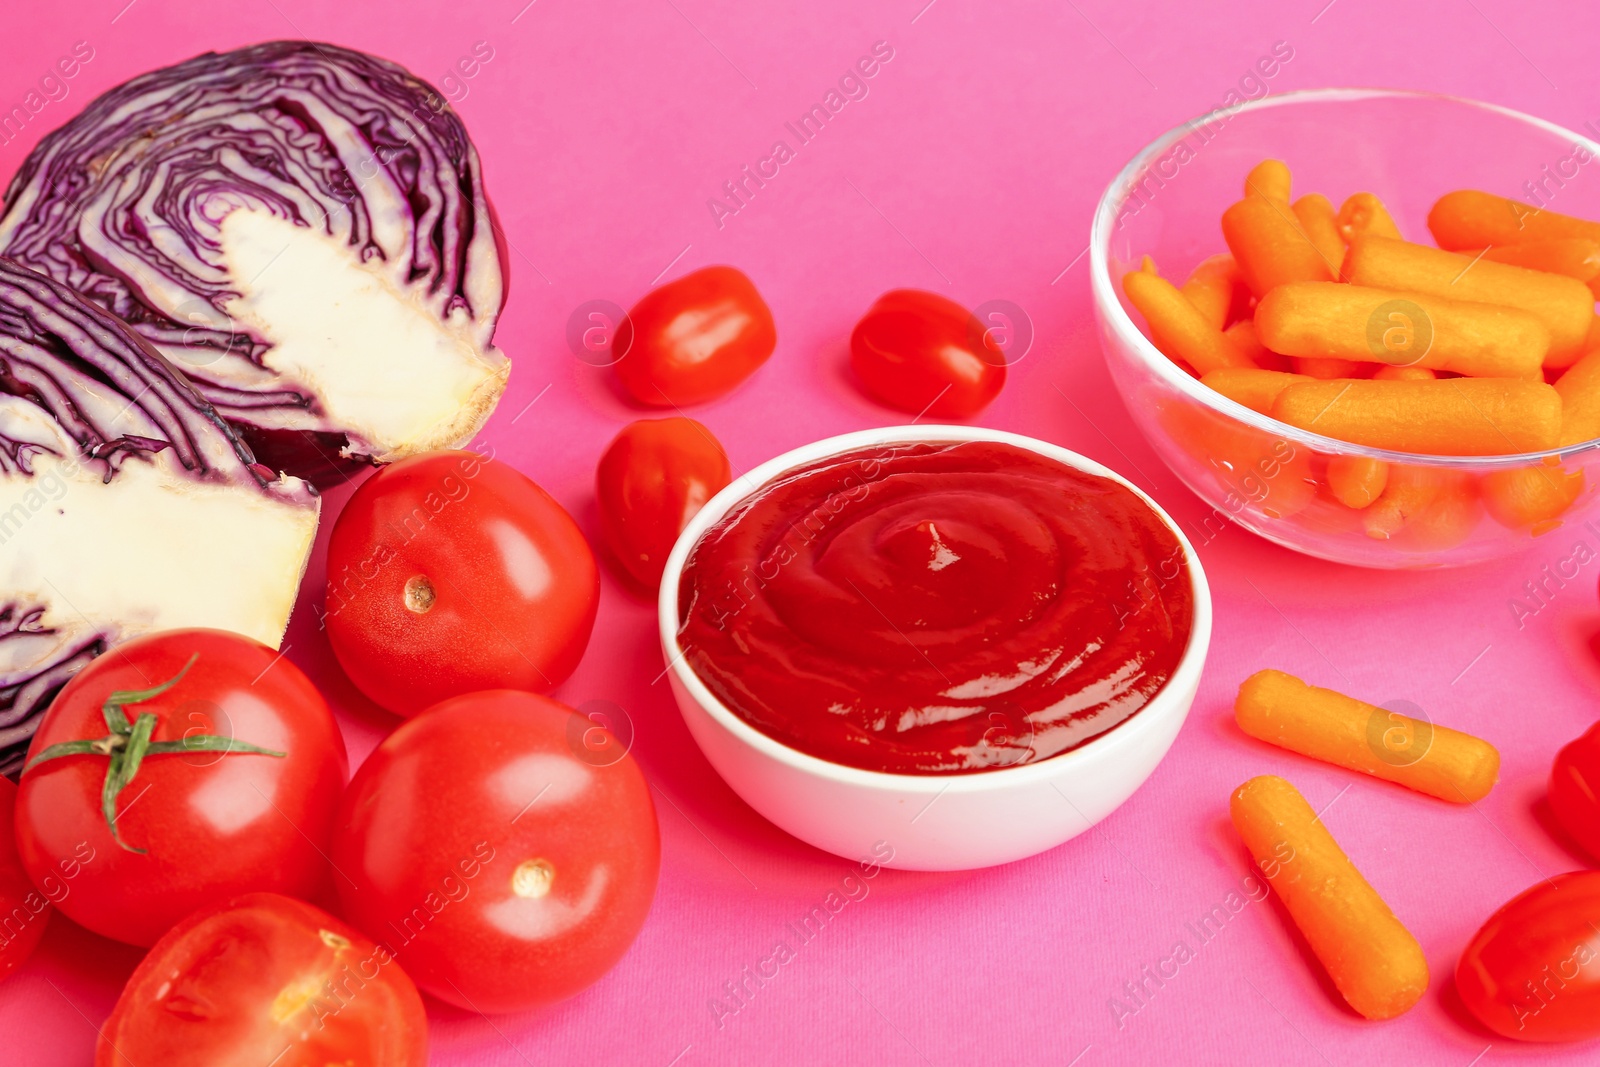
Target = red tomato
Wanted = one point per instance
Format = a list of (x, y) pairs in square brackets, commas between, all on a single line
[(449, 573), (1533, 971), (210, 824), (651, 481), (694, 339), (266, 980), (1575, 790), (922, 353), (506, 861), (24, 910)]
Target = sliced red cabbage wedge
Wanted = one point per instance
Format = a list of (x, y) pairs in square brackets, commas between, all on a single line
[(127, 504), (300, 228)]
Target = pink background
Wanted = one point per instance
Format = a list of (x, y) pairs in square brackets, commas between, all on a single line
[(971, 169)]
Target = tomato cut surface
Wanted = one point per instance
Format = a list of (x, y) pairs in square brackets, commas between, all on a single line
[(266, 980)]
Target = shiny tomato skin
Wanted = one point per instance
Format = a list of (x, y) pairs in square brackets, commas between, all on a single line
[(505, 862), (651, 480), (260, 980), (694, 339), (1533, 971), (24, 910), (513, 584), (920, 352), (214, 825), (1575, 790)]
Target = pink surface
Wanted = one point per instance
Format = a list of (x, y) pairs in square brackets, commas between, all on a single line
[(970, 168)]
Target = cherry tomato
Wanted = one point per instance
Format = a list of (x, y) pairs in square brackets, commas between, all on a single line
[(651, 481), (234, 793), (922, 353), (1575, 790), (505, 858), (266, 980), (449, 573), (24, 910), (694, 339), (1533, 971)]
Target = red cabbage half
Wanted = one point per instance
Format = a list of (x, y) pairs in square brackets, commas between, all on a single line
[(300, 228), (127, 504)]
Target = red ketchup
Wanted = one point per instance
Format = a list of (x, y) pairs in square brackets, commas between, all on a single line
[(936, 608)]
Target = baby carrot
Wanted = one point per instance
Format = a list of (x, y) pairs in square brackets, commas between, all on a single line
[(1375, 963), (1282, 710), (1410, 329), (1255, 389), (1575, 257), (1468, 218), (1356, 481), (1210, 288), (1329, 367), (1533, 497), (1449, 518), (1269, 245), (1404, 374), (1579, 387), (1243, 336), (1269, 178), (1447, 417), (1321, 225), (1564, 304), (1364, 213), (1408, 494), (1184, 331)]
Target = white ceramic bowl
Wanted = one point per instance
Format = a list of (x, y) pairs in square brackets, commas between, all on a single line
[(932, 822)]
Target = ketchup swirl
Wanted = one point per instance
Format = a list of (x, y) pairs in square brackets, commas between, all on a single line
[(936, 608)]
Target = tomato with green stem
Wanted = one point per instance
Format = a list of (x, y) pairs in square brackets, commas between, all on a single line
[(448, 573), (25, 910), (266, 980), (189, 766)]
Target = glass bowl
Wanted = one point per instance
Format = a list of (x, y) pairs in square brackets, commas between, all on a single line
[(1269, 477)]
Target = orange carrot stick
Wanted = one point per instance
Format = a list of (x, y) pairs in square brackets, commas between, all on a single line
[(1407, 329), (1375, 963), (1534, 497), (1252, 467), (1184, 331), (1243, 336), (1364, 213), (1282, 710), (1356, 481), (1408, 493), (1575, 257), (1321, 225), (1255, 389), (1329, 367), (1579, 387), (1211, 286), (1469, 218), (1269, 178), (1269, 245), (1449, 518), (1404, 374), (1564, 304), (1447, 417)]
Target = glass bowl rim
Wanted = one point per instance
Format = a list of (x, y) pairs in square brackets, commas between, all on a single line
[(1122, 325)]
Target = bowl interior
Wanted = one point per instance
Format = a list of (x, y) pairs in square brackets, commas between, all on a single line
[(742, 487), (1408, 148)]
